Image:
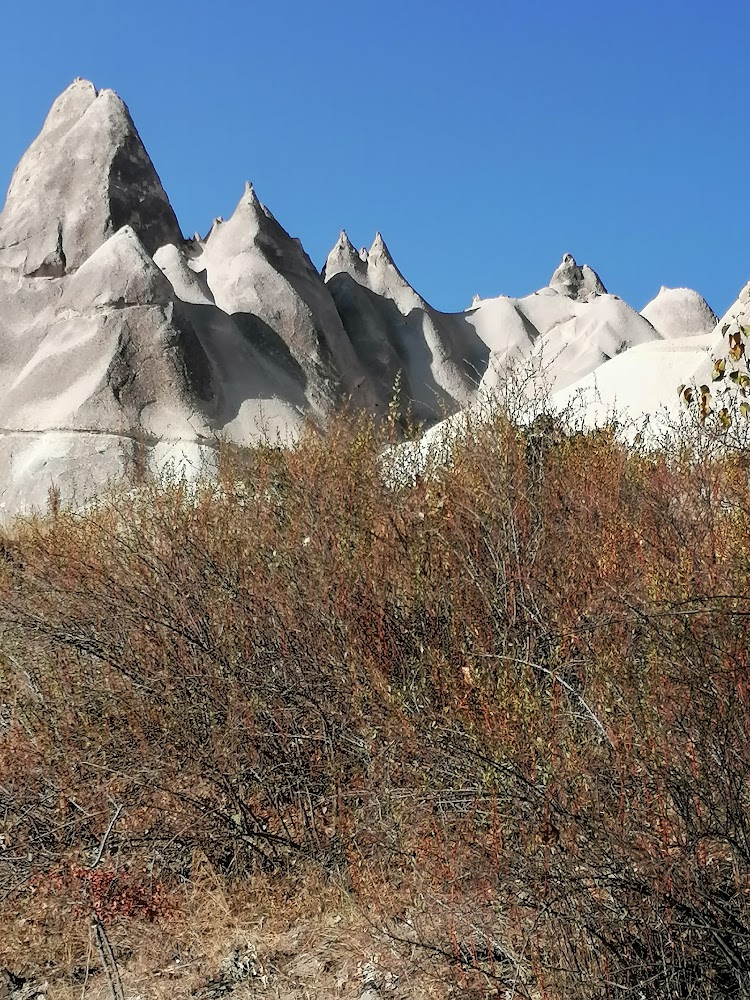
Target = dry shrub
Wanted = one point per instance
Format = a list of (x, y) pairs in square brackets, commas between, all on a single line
[(504, 707)]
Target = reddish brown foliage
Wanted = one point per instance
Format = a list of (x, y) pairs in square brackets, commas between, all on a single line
[(510, 700)]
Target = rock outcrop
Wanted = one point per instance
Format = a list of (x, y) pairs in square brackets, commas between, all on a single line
[(579, 283), (679, 312), (562, 332), (85, 176), (641, 385), (437, 359), (253, 267), (124, 345)]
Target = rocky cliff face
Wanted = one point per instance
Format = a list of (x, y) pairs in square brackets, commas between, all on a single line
[(121, 339)]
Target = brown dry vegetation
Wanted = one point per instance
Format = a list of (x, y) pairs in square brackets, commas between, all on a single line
[(492, 726)]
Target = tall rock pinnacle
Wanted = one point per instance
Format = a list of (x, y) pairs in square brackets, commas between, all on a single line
[(85, 176), (254, 267), (344, 257)]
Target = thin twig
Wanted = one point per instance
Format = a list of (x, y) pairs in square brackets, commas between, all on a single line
[(108, 959), (569, 688), (107, 832)]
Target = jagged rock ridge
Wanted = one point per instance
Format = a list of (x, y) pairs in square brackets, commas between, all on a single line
[(119, 338), (438, 357)]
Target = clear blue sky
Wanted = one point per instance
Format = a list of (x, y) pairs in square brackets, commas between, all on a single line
[(483, 138)]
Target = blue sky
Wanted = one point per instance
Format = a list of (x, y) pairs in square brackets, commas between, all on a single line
[(484, 139)]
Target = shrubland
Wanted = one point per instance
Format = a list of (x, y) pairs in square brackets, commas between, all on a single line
[(498, 715)]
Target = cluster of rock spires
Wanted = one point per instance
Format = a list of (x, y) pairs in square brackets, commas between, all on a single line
[(119, 337)]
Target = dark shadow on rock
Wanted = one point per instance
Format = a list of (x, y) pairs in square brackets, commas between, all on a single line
[(248, 360), (466, 349), (137, 199), (389, 344), (197, 371)]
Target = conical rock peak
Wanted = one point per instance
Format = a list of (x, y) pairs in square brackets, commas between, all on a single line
[(85, 176), (119, 274), (344, 257)]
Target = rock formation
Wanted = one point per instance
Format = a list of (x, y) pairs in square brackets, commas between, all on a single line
[(254, 268), (680, 312), (579, 283), (85, 176), (642, 385), (438, 357), (122, 343), (565, 330)]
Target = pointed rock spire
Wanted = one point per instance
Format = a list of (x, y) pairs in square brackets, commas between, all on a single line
[(579, 283), (244, 225), (84, 177), (69, 107), (249, 204), (384, 276), (344, 257), (379, 251)]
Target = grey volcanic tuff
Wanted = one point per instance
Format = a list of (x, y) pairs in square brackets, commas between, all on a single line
[(580, 283), (84, 177), (440, 357), (119, 337)]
